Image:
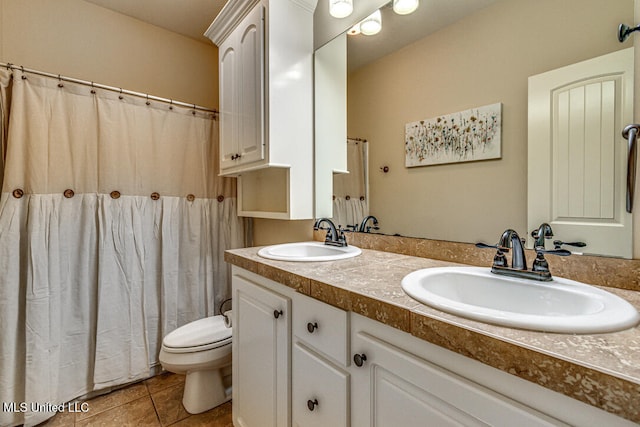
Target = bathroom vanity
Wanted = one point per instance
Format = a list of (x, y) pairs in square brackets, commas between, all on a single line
[(339, 343)]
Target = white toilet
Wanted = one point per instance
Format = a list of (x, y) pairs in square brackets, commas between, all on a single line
[(201, 350)]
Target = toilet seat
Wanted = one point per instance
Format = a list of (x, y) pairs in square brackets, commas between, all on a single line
[(200, 335)]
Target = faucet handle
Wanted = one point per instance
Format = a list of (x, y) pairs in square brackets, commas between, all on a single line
[(559, 252), (558, 244), (485, 246), (499, 260)]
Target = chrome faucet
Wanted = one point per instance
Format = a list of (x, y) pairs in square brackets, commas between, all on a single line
[(511, 241), (367, 229), (335, 236)]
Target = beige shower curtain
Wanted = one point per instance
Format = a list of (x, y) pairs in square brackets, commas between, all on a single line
[(351, 198), (113, 224)]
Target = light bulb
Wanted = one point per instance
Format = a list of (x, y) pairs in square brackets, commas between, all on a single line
[(340, 8), (405, 7), (372, 24)]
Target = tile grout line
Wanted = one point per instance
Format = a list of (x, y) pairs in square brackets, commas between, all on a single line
[(153, 402)]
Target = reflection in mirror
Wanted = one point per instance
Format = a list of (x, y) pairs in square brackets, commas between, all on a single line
[(351, 190), (484, 54)]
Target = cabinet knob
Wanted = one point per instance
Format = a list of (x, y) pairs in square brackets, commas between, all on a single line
[(277, 313), (312, 327), (311, 404), (359, 359)]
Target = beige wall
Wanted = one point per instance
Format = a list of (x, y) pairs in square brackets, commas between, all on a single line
[(81, 40), (484, 59), (272, 231)]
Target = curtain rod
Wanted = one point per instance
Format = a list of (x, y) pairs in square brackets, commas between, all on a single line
[(10, 66)]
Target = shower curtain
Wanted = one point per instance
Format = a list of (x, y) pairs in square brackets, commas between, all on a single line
[(351, 191), (113, 224)]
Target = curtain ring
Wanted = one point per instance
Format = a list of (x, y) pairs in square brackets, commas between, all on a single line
[(120, 96), (60, 81), (18, 193), (68, 193), (23, 76), (221, 198), (347, 197), (155, 196), (191, 197), (171, 104), (361, 198), (334, 197), (148, 103), (115, 194), (194, 110), (92, 89)]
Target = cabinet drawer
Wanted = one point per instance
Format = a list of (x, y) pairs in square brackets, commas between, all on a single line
[(320, 396), (322, 327)]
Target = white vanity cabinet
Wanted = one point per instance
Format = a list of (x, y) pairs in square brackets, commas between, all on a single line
[(261, 349), (394, 387), (401, 380), (320, 381), (265, 53), (298, 361)]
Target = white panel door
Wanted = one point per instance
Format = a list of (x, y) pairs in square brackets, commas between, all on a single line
[(577, 155), (261, 349)]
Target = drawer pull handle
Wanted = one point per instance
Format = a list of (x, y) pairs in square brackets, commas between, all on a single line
[(277, 313), (312, 327), (359, 359), (311, 404)]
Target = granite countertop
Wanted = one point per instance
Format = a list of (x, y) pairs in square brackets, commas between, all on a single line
[(602, 370)]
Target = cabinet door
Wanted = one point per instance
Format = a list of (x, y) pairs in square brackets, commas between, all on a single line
[(261, 361), (251, 86), (228, 77), (320, 396), (395, 388)]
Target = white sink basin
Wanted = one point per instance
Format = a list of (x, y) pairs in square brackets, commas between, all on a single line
[(560, 305), (308, 251)]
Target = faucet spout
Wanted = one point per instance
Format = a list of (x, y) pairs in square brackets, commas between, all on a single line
[(510, 239), (542, 233), (335, 236), (367, 229)]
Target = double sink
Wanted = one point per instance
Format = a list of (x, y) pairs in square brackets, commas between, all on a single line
[(559, 305)]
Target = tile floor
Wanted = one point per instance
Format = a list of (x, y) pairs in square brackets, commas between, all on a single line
[(153, 402)]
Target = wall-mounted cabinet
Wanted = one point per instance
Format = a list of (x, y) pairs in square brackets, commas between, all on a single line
[(266, 104)]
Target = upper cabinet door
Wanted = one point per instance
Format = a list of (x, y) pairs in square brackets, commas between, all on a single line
[(228, 103), (577, 155), (251, 87), (241, 66)]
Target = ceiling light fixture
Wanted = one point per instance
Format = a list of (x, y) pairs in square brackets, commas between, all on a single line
[(340, 8), (405, 7), (355, 30), (372, 24)]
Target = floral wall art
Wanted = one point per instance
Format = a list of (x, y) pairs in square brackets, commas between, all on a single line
[(459, 137)]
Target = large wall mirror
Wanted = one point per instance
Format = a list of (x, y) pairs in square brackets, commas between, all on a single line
[(447, 57)]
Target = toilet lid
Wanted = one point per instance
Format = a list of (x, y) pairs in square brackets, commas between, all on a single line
[(204, 334)]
